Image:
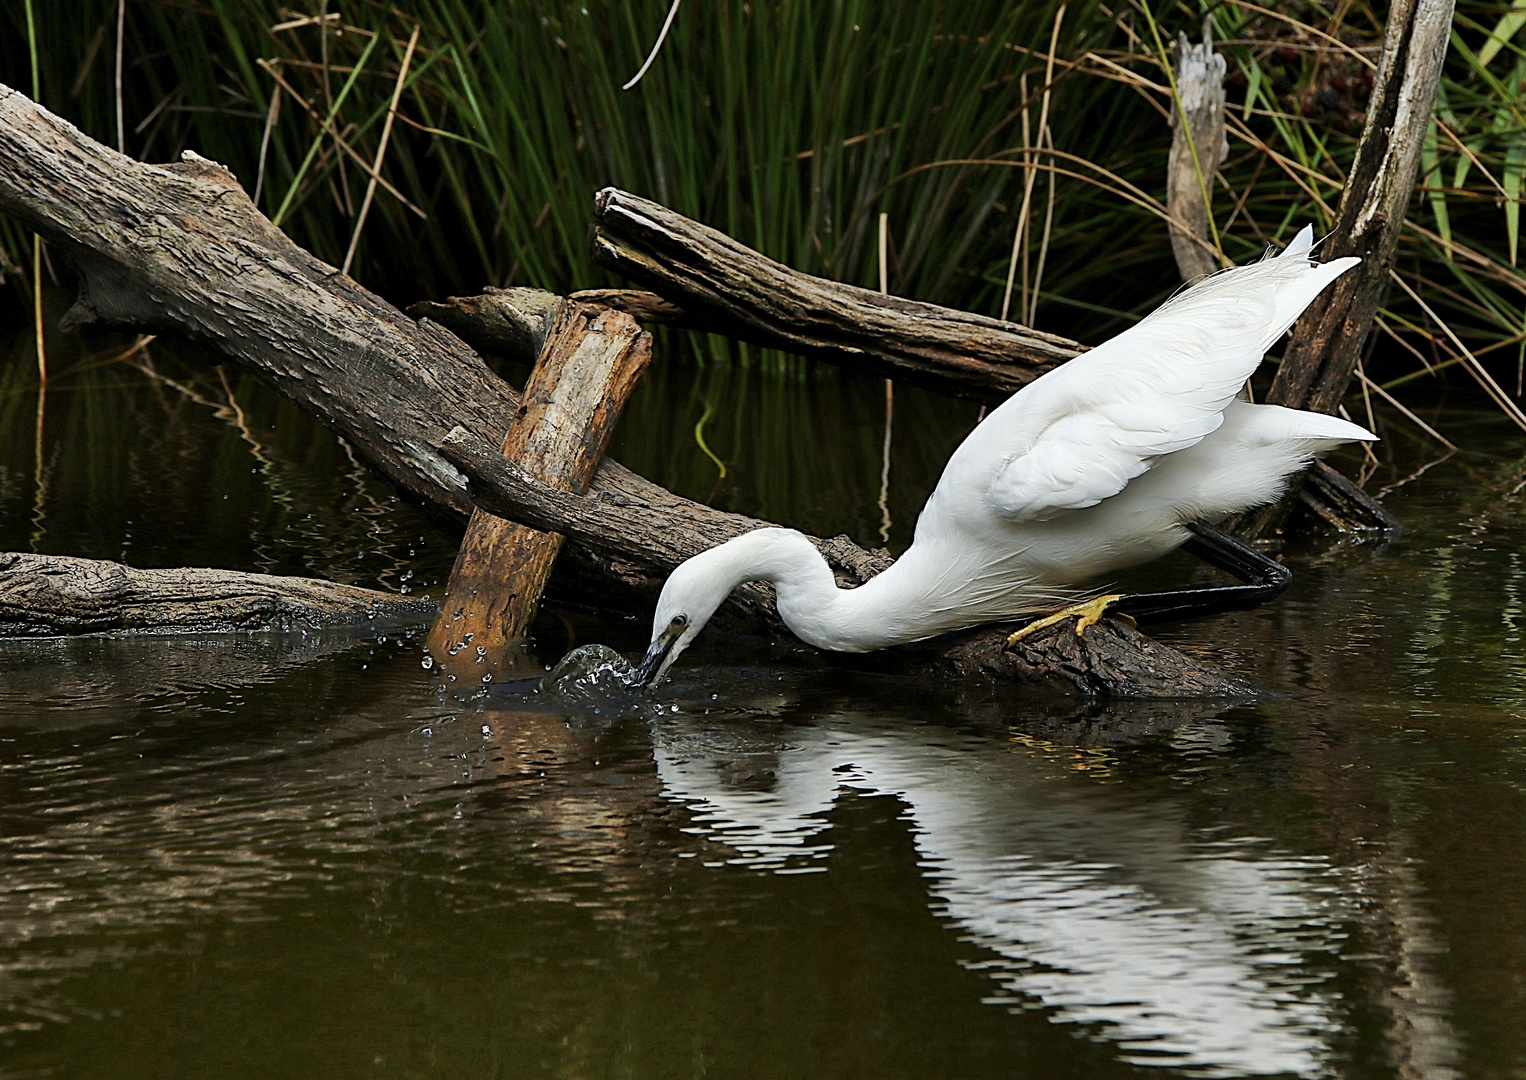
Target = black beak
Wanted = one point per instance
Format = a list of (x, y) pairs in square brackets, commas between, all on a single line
[(651, 663)]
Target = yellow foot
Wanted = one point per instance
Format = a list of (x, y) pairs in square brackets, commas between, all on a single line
[(1085, 615)]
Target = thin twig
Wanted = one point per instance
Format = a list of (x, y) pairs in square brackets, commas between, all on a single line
[(1368, 384), (37, 321), (1031, 174), (1424, 360), (93, 51), (381, 150), (327, 126), (1473, 365), (121, 127), (1022, 213), (1366, 447), (661, 37), (1038, 272), (272, 115), (305, 20), (1340, 45), (1125, 190)]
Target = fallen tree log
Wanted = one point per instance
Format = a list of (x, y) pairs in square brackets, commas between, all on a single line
[(57, 595), (708, 281), (180, 248), (728, 288)]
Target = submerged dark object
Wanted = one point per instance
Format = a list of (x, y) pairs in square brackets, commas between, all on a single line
[(591, 671)]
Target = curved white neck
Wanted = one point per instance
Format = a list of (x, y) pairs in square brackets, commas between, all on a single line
[(909, 601)]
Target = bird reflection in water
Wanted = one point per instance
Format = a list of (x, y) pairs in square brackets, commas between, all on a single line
[(1105, 910)]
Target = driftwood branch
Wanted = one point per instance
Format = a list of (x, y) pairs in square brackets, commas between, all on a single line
[(55, 595), (181, 248), (728, 288)]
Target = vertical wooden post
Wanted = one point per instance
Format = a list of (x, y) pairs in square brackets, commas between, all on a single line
[(1327, 340), (591, 361)]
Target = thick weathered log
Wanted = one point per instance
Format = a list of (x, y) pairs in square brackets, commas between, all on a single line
[(590, 363), (728, 288), (181, 248), (56, 595), (1326, 343), (1198, 148)]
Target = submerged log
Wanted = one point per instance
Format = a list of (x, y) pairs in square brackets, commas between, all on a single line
[(181, 248), (591, 361), (57, 595)]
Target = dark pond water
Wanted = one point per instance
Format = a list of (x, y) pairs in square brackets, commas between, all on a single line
[(268, 857)]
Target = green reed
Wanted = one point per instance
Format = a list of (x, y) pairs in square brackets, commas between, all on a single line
[(792, 125)]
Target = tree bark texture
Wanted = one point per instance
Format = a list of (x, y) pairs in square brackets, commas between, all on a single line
[(591, 361), (180, 248), (56, 595), (728, 288), (1326, 342)]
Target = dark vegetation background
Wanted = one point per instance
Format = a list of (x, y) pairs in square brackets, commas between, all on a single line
[(792, 125)]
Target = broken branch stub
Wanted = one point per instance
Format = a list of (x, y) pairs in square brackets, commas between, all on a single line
[(1198, 148), (1327, 341)]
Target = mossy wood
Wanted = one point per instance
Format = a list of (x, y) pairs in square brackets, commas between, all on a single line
[(590, 362), (180, 248)]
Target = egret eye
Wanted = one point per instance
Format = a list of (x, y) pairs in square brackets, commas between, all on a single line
[(680, 621)]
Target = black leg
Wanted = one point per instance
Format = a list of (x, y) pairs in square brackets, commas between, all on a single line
[(1264, 579)]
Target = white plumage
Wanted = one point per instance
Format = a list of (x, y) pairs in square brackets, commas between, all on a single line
[(1095, 466)]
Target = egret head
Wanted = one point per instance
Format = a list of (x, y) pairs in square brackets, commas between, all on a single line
[(689, 598)]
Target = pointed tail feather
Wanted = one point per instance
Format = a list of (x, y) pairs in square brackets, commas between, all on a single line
[(1302, 244)]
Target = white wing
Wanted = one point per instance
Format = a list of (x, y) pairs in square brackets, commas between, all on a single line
[(1081, 432)]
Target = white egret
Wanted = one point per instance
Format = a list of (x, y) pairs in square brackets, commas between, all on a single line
[(1110, 460)]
